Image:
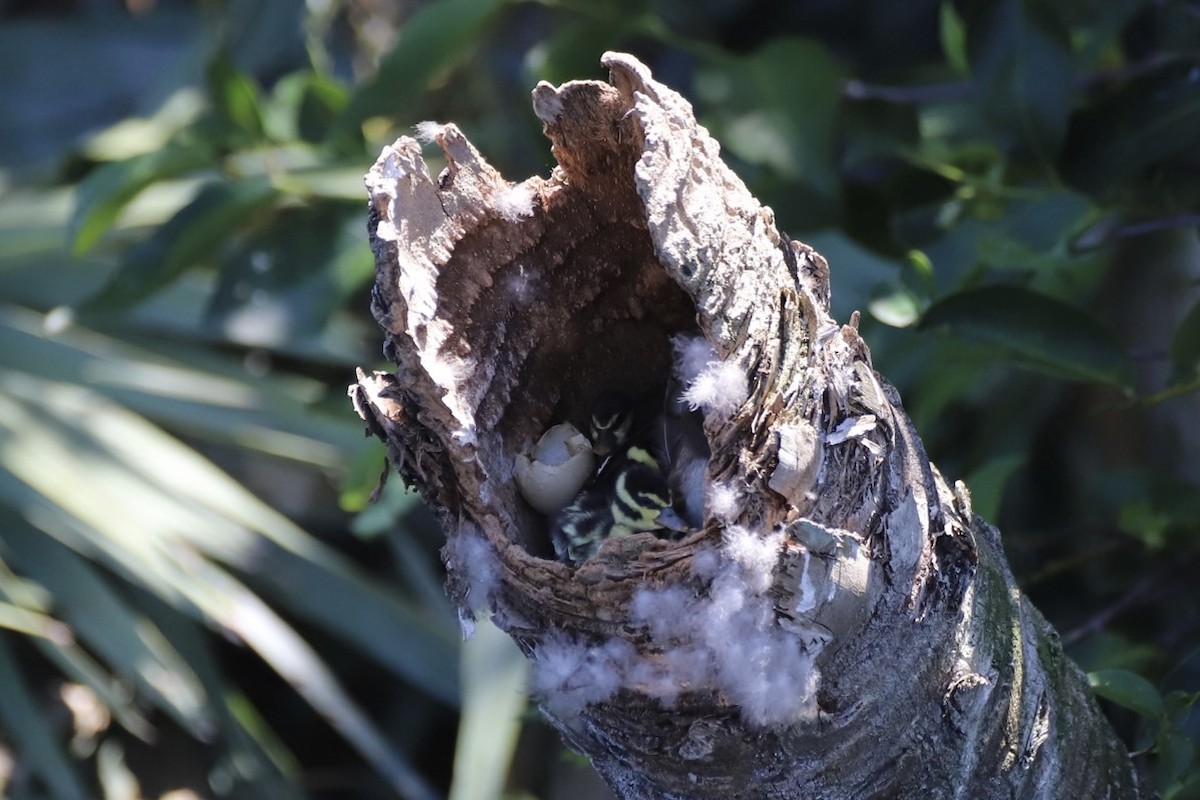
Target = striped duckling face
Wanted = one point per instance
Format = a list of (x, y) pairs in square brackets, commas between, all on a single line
[(640, 495), (611, 423)]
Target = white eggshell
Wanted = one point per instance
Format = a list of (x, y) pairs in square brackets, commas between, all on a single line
[(557, 469)]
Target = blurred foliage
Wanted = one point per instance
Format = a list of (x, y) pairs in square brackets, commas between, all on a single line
[(195, 595)]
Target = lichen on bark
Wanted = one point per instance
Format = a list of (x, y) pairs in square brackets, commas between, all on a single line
[(841, 625)]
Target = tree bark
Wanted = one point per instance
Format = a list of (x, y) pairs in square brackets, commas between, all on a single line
[(842, 626)]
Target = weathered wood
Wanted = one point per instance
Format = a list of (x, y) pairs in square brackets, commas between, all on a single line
[(843, 625)]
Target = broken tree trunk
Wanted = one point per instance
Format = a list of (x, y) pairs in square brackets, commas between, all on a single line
[(842, 625)]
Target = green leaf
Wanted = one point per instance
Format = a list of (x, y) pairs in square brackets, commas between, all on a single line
[(244, 615), (875, 132), (858, 272), (330, 181), (340, 599), (59, 646), (987, 484), (1045, 334), (1021, 69), (263, 760), (29, 728), (954, 38), (438, 37), (1098, 27), (1179, 707), (1148, 120), (1165, 513), (1129, 690), (108, 484), (189, 389), (103, 194), (136, 650), (116, 779), (494, 677), (895, 306), (193, 235), (322, 100), (1016, 254), (257, 37), (574, 49), (1147, 522), (285, 273), (924, 205), (366, 470), (1176, 752), (148, 475), (1185, 345), (235, 96), (304, 105), (1186, 789), (140, 135), (70, 74), (779, 108)]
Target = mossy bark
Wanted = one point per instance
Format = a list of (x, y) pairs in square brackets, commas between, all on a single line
[(506, 307)]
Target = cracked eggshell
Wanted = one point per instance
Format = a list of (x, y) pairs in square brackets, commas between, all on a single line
[(560, 465)]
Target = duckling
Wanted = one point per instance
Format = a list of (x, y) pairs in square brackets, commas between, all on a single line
[(612, 421), (637, 499)]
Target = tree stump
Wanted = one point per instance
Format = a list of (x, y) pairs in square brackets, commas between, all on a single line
[(841, 625)]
